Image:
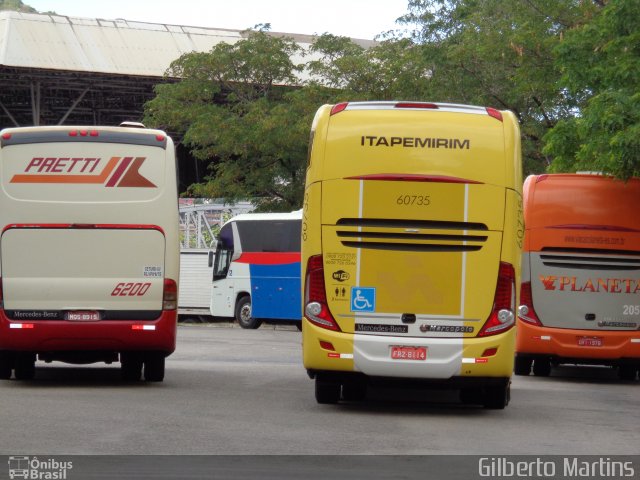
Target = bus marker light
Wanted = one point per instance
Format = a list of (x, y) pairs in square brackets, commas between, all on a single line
[(347, 356), (21, 325), (143, 327), (327, 345), (475, 360)]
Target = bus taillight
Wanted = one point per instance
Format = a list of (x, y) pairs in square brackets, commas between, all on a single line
[(502, 317), (170, 295), (526, 312), (316, 309), (339, 107)]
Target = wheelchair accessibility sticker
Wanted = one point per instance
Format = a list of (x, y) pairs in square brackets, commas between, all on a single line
[(363, 299)]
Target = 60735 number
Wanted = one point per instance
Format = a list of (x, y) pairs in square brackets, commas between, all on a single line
[(407, 200)]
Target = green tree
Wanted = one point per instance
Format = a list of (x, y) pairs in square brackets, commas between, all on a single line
[(600, 63), (499, 53), (234, 110), (393, 69), (18, 6)]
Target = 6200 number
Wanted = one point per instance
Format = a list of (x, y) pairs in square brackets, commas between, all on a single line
[(407, 200)]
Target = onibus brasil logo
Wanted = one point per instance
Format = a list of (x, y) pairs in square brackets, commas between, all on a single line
[(116, 172), (38, 469)]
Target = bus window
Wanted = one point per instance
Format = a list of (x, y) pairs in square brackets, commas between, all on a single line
[(224, 252)]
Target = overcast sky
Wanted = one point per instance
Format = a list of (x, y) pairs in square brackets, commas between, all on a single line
[(354, 18)]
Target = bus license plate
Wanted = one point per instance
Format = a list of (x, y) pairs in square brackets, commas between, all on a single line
[(590, 341), (408, 353), (83, 316)]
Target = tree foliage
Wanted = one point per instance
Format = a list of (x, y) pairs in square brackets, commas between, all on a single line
[(16, 6), (19, 6), (600, 63), (231, 108), (392, 69), (245, 108), (500, 54)]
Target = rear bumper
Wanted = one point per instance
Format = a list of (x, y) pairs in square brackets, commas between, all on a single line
[(427, 383), (563, 343), (106, 335), (448, 360)]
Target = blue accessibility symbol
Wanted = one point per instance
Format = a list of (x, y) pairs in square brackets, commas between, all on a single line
[(363, 299)]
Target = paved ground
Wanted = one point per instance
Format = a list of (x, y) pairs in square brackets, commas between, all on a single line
[(234, 391)]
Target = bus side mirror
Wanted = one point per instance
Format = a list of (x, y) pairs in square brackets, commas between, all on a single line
[(210, 258)]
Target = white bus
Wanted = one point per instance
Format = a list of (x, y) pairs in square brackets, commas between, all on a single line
[(89, 248), (256, 274)]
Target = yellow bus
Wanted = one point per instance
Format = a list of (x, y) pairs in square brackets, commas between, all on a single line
[(411, 240)]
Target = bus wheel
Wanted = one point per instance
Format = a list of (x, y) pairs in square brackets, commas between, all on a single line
[(131, 366), (496, 398), (6, 365), (522, 365), (25, 366), (627, 372), (541, 367), (471, 396), (154, 367), (327, 391), (243, 314), (354, 391)]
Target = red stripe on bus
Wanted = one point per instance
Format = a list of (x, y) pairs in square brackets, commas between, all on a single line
[(97, 226), (411, 177), (119, 171), (269, 258)]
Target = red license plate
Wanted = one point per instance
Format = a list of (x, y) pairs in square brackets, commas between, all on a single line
[(590, 341), (83, 316), (408, 353)]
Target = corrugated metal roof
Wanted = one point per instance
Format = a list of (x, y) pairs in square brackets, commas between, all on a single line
[(123, 47)]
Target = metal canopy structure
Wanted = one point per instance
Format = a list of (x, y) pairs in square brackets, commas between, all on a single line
[(198, 223), (57, 70), (31, 96)]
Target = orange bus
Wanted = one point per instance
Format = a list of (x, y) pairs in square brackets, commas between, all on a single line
[(580, 295)]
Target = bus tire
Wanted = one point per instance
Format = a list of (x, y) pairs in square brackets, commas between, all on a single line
[(6, 365), (25, 366), (354, 391), (471, 396), (496, 398), (243, 314), (627, 372), (541, 367), (131, 366), (154, 367), (327, 392), (522, 365)]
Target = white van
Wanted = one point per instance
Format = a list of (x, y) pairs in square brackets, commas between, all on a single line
[(89, 249)]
